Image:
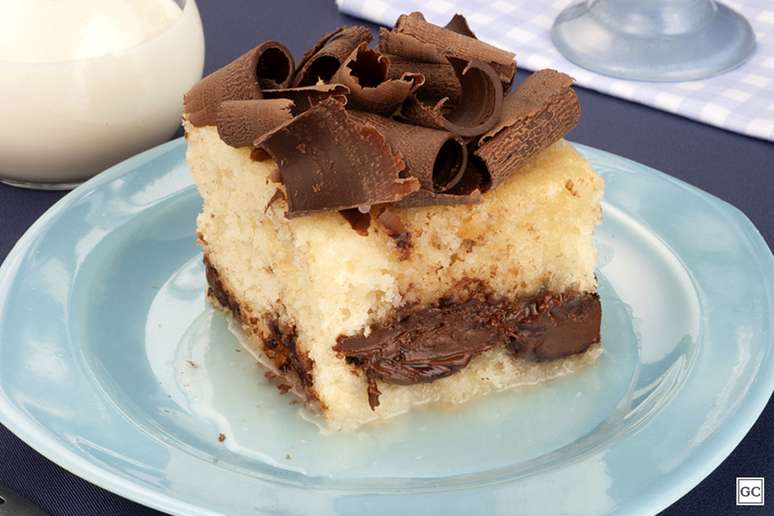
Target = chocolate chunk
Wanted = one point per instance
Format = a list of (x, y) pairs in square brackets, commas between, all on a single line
[(241, 122), (331, 161), (479, 106), (359, 221), (535, 115), (455, 41), (437, 158), (365, 73), (423, 345), (397, 231), (324, 59), (305, 97), (555, 326), (268, 63)]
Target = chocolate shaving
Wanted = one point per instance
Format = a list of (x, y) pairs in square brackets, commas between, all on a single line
[(279, 195), (479, 107), (409, 55), (359, 221), (242, 79), (425, 124), (259, 155), (459, 24), (305, 97), (459, 44), (241, 122), (365, 73), (409, 47), (440, 79), (275, 67), (535, 115), (467, 190), (437, 158), (325, 57), (330, 161)]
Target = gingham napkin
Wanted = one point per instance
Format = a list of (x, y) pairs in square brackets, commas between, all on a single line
[(741, 100)]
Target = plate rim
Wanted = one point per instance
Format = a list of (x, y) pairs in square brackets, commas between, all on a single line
[(703, 461)]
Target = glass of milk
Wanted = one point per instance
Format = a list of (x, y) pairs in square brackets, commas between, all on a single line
[(85, 84)]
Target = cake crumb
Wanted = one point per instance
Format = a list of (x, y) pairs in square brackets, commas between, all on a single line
[(284, 388), (288, 457), (570, 187), (467, 245), (192, 363), (221, 437)]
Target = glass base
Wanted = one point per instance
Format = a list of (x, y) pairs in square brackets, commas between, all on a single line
[(39, 186), (605, 39)]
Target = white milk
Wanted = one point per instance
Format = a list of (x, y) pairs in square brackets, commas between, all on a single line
[(37, 31), (87, 83)]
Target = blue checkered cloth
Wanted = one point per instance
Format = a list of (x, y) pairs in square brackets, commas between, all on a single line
[(741, 100)]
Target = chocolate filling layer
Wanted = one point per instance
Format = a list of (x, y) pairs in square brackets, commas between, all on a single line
[(280, 343), (421, 346)]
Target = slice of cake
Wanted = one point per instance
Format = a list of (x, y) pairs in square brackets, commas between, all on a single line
[(394, 227)]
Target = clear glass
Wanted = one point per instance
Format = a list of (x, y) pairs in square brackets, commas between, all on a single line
[(653, 40), (66, 121)]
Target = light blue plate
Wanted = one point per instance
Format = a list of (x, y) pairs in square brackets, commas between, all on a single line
[(113, 366)]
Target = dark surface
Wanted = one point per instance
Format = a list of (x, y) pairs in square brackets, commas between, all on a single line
[(733, 167)]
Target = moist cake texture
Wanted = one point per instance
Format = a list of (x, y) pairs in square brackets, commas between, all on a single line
[(371, 306)]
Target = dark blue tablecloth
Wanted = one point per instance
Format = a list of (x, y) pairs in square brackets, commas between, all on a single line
[(732, 167)]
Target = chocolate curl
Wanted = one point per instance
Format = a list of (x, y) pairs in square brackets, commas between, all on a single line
[(459, 24), (364, 72), (409, 47), (478, 109), (330, 161), (467, 190), (307, 96), (241, 122), (359, 221), (275, 67), (538, 113), (459, 44), (325, 57), (440, 79), (436, 158), (268, 63), (409, 55)]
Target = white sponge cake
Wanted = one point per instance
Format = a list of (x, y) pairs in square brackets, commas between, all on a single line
[(395, 227), (311, 279)]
